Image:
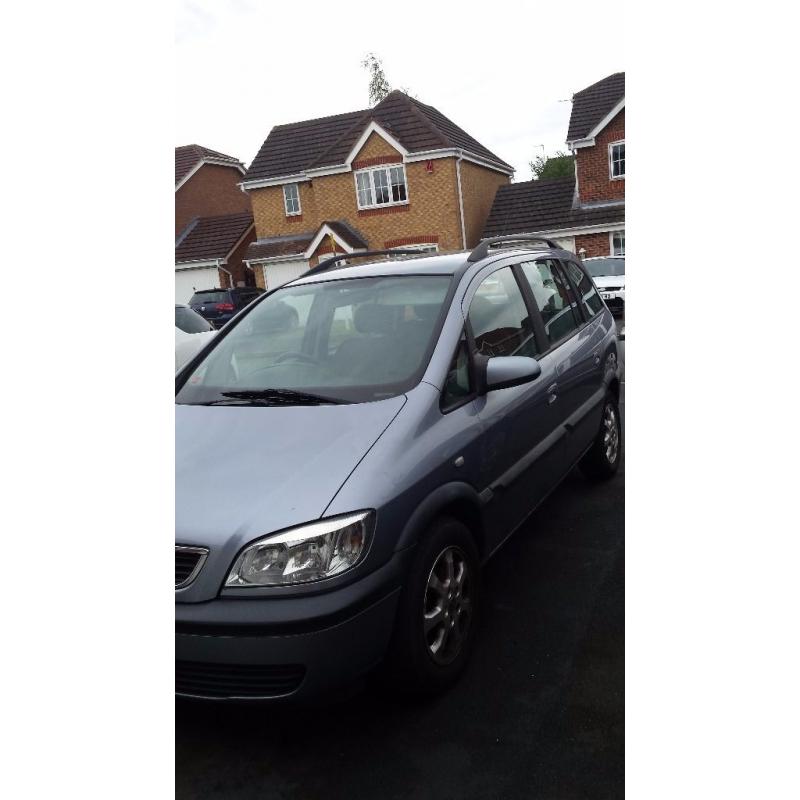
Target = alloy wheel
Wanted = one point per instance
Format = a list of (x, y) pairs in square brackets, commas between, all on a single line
[(448, 605), (610, 433)]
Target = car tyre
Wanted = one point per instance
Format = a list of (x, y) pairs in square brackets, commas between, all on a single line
[(438, 606), (601, 462)]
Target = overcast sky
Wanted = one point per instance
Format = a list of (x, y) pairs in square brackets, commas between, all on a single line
[(500, 70)]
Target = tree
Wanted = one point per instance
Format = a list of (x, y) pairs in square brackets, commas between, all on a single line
[(378, 85), (560, 165)]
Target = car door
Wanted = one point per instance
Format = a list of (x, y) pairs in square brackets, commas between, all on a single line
[(522, 454), (574, 340)]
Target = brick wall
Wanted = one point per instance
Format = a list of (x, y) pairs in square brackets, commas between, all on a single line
[(595, 244), (478, 187), (432, 208), (236, 266), (210, 191), (593, 169)]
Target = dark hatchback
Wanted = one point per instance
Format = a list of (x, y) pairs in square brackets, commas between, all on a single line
[(219, 305)]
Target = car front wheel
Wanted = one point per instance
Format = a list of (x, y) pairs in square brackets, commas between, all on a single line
[(435, 625)]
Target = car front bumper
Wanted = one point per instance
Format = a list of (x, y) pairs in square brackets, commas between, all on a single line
[(286, 648), (614, 300)]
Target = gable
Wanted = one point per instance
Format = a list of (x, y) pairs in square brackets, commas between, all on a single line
[(189, 158), (374, 151), (594, 107)]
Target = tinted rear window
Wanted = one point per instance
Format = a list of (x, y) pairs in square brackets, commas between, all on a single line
[(600, 267), (209, 297), (190, 321)]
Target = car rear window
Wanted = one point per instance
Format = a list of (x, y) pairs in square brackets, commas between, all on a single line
[(190, 321), (209, 297), (601, 267)]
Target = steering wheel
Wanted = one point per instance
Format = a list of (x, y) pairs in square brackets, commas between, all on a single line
[(297, 357)]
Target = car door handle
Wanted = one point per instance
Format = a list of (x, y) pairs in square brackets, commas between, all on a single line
[(552, 393)]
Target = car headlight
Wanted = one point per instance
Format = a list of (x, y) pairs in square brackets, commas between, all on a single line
[(307, 553)]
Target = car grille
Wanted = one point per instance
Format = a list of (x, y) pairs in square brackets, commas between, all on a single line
[(222, 681), (188, 562), (611, 289), (615, 304)]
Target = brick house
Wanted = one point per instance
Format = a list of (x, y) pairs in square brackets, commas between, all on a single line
[(585, 213), (400, 174), (213, 222)]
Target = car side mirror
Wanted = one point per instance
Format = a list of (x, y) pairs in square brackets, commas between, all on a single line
[(502, 372)]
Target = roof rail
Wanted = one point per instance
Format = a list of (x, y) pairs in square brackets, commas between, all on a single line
[(329, 263), (482, 250)]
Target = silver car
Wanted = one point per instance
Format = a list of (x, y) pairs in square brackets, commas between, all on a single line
[(352, 447)]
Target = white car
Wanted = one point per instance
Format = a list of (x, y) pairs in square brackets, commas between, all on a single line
[(608, 274), (191, 333)]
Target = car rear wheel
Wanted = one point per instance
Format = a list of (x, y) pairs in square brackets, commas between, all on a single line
[(602, 460), (435, 625)]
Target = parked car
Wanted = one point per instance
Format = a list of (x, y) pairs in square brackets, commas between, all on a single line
[(219, 305), (192, 332), (608, 273), (341, 480)]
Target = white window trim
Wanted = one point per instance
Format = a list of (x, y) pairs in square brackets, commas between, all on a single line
[(285, 203), (385, 168), (611, 175), (611, 236)]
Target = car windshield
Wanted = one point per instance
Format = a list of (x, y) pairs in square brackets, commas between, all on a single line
[(190, 321), (209, 297), (349, 340), (602, 267)]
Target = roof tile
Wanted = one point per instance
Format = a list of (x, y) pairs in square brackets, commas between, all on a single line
[(187, 156), (209, 238), (293, 148), (544, 205), (591, 104)]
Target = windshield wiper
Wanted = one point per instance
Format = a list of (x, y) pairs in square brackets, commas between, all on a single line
[(273, 397)]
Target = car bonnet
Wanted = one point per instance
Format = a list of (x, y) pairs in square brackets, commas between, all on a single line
[(244, 472)]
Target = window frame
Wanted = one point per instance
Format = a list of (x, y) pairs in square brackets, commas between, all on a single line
[(611, 236), (385, 168), (466, 335), (286, 204), (584, 314), (546, 346), (611, 175), (541, 338)]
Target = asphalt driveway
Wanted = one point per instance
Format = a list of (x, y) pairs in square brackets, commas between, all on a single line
[(539, 714)]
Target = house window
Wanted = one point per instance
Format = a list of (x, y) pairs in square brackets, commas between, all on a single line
[(618, 243), (383, 186), (616, 160), (291, 199)]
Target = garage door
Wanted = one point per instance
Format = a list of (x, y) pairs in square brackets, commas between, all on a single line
[(276, 275), (188, 281)]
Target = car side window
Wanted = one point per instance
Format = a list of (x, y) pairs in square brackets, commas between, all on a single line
[(587, 293), (554, 299), (458, 383), (499, 317)]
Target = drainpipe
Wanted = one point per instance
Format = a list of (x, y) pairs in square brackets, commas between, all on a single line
[(461, 200), (230, 276)]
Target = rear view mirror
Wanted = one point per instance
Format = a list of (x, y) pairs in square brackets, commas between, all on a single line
[(505, 371)]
